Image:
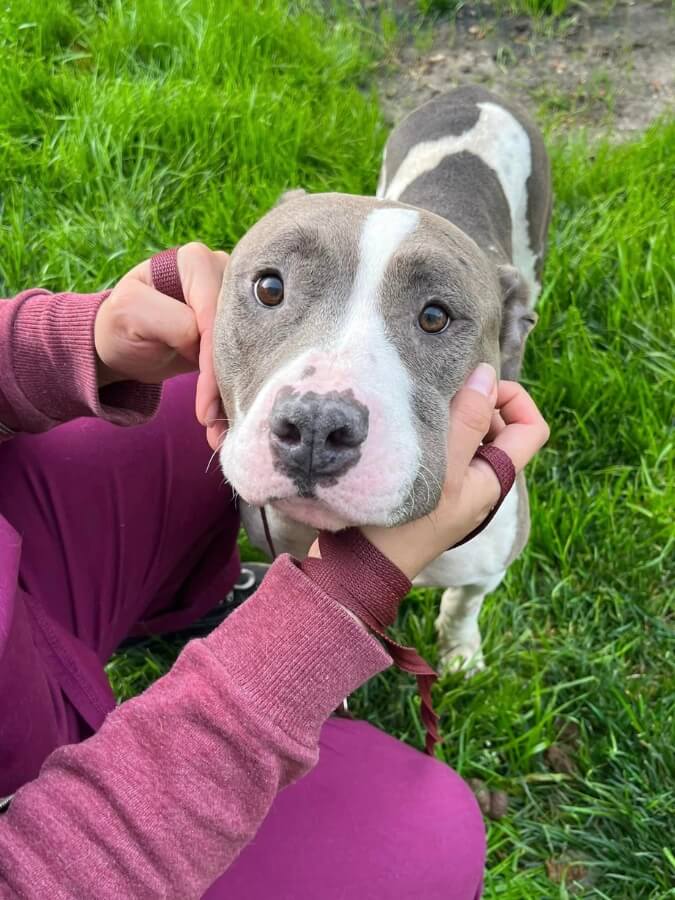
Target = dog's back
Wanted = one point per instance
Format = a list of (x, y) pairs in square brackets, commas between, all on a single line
[(479, 162)]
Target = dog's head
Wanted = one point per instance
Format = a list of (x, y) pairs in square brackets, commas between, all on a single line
[(345, 326)]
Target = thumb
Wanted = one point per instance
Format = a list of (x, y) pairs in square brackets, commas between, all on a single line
[(471, 412)]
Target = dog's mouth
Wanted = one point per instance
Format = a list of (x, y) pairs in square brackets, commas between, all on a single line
[(311, 511)]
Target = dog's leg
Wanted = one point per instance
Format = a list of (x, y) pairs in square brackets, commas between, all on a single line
[(458, 632)]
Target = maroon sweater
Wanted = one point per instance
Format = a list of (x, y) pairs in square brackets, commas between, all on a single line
[(178, 780)]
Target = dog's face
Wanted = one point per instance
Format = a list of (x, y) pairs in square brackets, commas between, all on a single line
[(345, 326)]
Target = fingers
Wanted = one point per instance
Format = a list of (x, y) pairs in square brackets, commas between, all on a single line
[(201, 271), (525, 430), (140, 330), (207, 402), (144, 335), (470, 416), (471, 487), (160, 318), (201, 274), (497, 425), (208, 405), (215, 434), (516, 426), (142, 272)]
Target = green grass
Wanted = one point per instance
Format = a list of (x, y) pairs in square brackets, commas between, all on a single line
[(538, 7), (152, 123), (535, 8), (582, 630), (129, 126), (592, 102)]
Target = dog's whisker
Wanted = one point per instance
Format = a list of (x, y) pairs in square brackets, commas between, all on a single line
[(219, 447), (433, 477), (208, 465), (412, 500), (426, 485), (435, 481)]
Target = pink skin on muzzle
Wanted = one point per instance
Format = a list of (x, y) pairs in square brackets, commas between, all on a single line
[(369, 491)]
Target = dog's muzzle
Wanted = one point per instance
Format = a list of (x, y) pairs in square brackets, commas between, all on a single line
[(315, 438)]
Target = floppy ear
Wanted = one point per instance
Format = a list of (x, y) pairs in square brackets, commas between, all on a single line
[(290, 195), (518, 320)]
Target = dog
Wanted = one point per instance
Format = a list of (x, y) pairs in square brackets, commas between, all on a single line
[(347, 323)]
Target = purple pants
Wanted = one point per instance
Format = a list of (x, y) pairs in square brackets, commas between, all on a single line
[(125, 532)]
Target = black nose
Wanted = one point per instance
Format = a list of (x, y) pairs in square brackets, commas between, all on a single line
[(317, 436)]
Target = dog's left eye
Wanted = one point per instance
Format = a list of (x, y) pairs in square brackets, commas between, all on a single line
[(269, 290), (433, 319)]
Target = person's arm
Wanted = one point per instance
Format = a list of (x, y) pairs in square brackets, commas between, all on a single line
[(178, 780), (48, 366), (106, 354)]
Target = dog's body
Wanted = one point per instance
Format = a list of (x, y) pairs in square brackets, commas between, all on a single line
[(337, 393)]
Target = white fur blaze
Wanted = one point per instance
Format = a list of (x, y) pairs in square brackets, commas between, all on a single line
[(384, 230), (392, 440)]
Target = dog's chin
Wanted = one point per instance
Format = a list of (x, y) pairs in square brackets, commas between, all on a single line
[(314, 513)]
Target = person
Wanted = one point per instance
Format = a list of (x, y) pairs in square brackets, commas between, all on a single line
[(227, 777)]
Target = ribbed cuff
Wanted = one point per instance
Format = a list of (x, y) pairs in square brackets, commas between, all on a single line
[(53, 364), (294, 653), (8, 421), (352, 568)]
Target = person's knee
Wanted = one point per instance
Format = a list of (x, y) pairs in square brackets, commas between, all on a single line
[(381, 818), (435, 835), (449, 839)]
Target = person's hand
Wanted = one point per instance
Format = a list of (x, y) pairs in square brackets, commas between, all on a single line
[(482, 411), (143, 335)]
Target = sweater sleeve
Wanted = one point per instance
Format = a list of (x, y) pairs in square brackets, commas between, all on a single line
[(178, 780), (48, 366)]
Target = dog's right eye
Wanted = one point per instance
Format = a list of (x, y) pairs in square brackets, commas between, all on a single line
[(269, 290)]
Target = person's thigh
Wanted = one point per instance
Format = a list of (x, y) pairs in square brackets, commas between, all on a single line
[(118, 525), (121, 524), (375, 820)]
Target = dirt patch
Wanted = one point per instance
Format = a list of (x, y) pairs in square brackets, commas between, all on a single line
[(608, 71)]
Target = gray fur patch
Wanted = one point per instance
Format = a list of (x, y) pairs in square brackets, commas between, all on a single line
[(453, 114), (434, 119), (472, 199)]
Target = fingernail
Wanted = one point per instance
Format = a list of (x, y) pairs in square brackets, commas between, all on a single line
[(482, 379)]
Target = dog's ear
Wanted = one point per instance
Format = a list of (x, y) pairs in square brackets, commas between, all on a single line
[(290, 195), (518, 320)]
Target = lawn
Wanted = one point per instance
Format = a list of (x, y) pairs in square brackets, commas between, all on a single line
[(128, 127)]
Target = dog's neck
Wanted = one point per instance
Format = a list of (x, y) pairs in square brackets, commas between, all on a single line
[(287, 535)]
